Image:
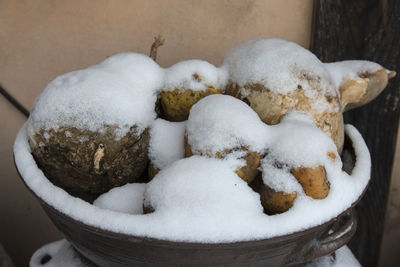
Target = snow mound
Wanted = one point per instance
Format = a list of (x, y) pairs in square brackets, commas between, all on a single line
[(203, 194), (58, 253), (196, 75), (121, 91), (298, 142), (127, 199), (220, 122), (166, 142), (343, 257), (279, 66), (343, 71)]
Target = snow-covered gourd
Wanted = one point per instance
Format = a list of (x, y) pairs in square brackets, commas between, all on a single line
[(222, 126), (89, 129), (358, 81), (186, 83), (275, 77)]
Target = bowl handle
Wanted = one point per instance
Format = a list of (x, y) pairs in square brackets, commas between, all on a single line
[(337, 235)]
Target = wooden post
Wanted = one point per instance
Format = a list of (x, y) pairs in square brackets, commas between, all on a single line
[(369, 30)]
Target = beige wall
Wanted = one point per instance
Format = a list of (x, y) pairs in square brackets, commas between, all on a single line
[(41, 41), (45, 38)]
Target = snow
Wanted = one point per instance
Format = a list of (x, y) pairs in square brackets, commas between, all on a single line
[(121, 91), (343, 71), (343, 257), (126, 199), (220, 122), (203, 194), (278, 178), (298, 142), (196, 75), (279, 66), (166, 142), (214, 181), (59, 253)]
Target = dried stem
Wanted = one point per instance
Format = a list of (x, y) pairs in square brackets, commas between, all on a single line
[(158, 41)]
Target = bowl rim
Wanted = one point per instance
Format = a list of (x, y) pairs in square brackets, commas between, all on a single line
[(144, 239)]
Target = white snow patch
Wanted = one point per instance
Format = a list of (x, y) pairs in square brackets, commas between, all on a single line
[(68, 134), (206, 196), (196, 75), (121, 91), (320, 105), (343, 71), (277, 65), (343, 258), (127, 199), (298, 142), (278, 177), (61, 254), (166, 142), (219, 122)]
